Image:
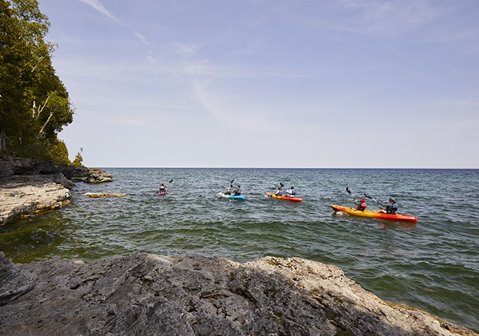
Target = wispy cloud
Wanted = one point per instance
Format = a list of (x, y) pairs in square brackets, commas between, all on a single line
[(142, 39), (186, 49), (98, 6), (381, 16)]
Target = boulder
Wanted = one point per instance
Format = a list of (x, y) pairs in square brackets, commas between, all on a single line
[(97, 175), (148, 294)]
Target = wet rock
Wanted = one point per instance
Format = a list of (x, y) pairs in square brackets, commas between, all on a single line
[(155, 295)]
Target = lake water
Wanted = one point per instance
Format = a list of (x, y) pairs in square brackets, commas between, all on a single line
[(433, 264)]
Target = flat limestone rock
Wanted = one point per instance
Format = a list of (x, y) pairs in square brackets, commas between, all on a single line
[(26, 195), (148, 294), (103, 195)]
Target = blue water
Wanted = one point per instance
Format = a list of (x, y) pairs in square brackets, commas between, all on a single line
[(433, 264)]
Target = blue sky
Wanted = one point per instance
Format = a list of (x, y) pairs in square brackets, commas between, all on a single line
[(270, 83)]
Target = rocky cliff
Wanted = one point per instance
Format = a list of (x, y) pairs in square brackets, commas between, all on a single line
[(155, 295)]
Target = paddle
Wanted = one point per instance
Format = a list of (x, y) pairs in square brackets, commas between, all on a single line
[(375, 200), (350, 193), (170, 181)]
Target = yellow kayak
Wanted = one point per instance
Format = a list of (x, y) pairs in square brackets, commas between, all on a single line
[(374, 214)]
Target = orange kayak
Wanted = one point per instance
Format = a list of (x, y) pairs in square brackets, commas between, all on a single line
[(284, 197), (374, 214)]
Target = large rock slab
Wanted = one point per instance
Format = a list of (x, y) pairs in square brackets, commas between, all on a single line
[(155, 295), (26, 195)]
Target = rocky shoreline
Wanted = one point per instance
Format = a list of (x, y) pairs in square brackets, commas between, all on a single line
[(29, 186), (148, 294)]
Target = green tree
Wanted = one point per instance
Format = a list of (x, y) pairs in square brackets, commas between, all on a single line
[(34, 103), (78, 161)]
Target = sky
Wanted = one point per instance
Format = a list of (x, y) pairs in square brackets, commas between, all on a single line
[(270, 83)]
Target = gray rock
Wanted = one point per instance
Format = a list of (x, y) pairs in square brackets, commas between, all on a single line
[(13, 281), (22, 196), (96, 175), (14, 165), (153, 295)]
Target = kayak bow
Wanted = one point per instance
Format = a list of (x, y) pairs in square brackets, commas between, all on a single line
[(374, 214)]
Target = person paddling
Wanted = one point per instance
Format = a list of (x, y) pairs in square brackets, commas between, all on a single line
[(229, 189), (391, 206), (163, 189), (361, 205), (291, 191), (279, 189), (237, 190)]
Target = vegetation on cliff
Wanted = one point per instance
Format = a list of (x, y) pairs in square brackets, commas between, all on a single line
[(34, 103)]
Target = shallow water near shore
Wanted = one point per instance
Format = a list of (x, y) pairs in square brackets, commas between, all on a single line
[(433, 264)]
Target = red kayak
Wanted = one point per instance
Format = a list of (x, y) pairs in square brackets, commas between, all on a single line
[(284, 197)]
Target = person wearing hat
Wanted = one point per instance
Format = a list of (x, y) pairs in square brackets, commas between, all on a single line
[(362, 205), (391, 206)]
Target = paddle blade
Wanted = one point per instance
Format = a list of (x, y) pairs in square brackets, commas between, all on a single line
[(348, 190), (171, 181)]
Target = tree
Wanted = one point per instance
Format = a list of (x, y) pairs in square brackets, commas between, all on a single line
[(34, 103), (78, 161)]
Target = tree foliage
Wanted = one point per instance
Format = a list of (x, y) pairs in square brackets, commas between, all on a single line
[(34, 103), (78, 161)]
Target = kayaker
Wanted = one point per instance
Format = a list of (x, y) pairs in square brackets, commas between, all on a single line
[(279, 189), (163, 189), (237, 190), (291, 191), (362, 205), (391, 206)]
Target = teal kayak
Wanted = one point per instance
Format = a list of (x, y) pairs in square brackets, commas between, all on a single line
[(232, 197)]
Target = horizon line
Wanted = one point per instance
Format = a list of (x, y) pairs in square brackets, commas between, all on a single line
[(219, 167)]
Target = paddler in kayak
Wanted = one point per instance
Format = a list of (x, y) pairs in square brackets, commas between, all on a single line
[(391, 206), (291, 192), (237, 190), (361, 205), (163, 189), (279, 189)]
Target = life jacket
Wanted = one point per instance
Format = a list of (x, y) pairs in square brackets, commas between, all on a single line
[(392, 209), (362, 206)]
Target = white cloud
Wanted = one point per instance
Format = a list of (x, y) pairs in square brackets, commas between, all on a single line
[(98, 6)]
